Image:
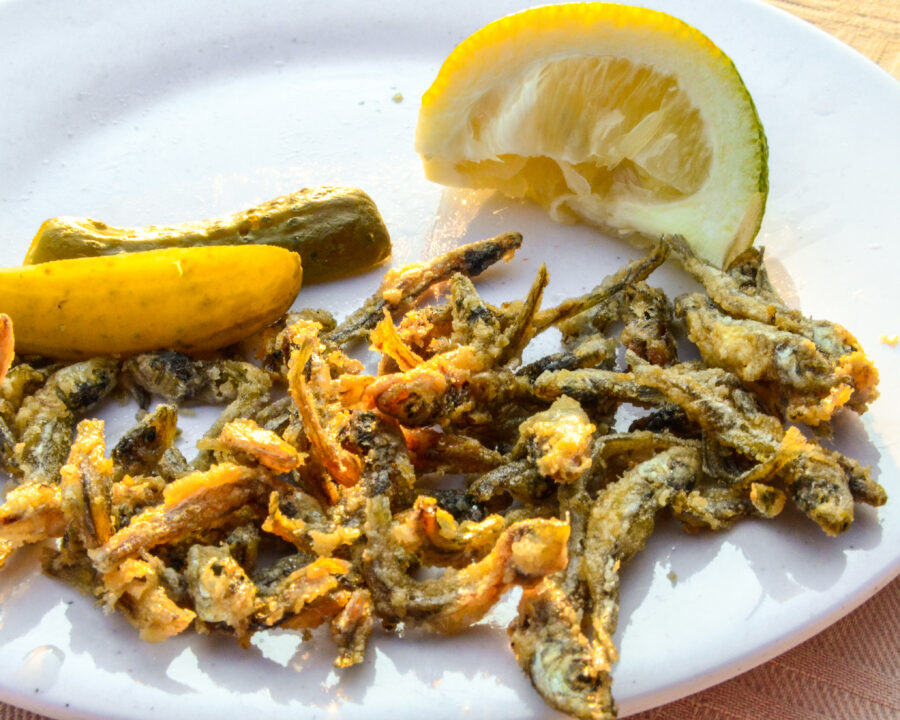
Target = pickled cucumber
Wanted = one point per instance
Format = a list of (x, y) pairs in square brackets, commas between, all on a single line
[(337, 231)]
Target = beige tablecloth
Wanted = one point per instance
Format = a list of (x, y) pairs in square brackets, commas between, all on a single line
[(851, 671)]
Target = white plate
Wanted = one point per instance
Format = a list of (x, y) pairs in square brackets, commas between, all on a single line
[(141, 113)]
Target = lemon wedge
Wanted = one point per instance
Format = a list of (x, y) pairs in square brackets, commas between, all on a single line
[(622, 117)]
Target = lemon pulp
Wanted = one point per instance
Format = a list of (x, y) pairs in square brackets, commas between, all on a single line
[(623, 117)]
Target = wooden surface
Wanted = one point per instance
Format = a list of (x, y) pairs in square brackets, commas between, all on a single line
[(870, 26), (845, 673)]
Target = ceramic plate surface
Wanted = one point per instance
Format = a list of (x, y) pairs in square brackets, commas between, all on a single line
[(151, 113)]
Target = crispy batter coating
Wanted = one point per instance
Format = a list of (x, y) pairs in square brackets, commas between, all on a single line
[(435, 538), (519, 479), (196, 502), (244, 387), (718, 508), (385, 339), (558, 440), (21, 381), (474, 323), (169, 374), (524, 553), (351, 628), (422, 395), (307, 597), (433, 451), (141, 448), (576, 314), (299, 519), (556, 656), (379, 441), (137, 588), (714, 399), (264, 446), (595, 351), (402, 287), (86, 487), (648, 324), (45, 422), (830, 359), (220, 588), (178, 378), (32, 512), (810, 385), (621, 519), (426, 330), (319, 422)]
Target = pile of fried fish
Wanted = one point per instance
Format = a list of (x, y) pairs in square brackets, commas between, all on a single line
[(455, 455)]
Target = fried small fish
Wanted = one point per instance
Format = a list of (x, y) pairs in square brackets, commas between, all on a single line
[(402, 287), (829, 349), (45, 422), (558, 658), (197, 502), (523, 554), (141, 447), (32, 512)]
